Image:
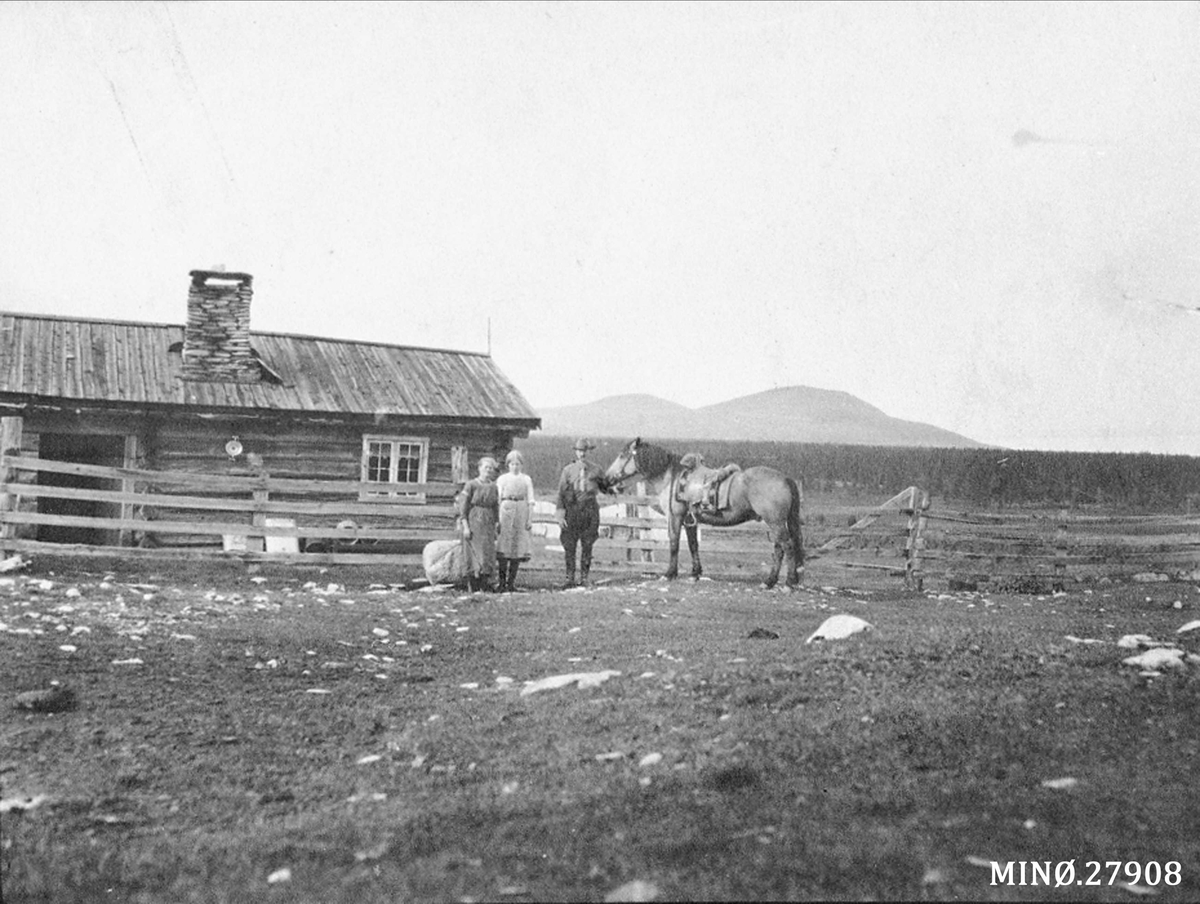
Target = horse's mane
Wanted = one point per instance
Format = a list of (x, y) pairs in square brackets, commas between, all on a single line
[(655, 460)]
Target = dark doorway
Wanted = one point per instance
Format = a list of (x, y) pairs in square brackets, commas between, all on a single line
[(83, 449)]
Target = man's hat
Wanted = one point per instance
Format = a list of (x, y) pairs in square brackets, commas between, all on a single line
[(584, 444)]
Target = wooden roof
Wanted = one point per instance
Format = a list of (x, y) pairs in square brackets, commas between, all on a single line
[(68, 360)]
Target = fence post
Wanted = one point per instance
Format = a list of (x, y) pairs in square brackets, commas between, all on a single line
[(1060, 553), (133, 459), (644, 532), (259, 518), (12, 431), (914, 578), (637, 510)]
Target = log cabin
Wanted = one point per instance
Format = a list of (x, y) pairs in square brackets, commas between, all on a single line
[(213, 397)]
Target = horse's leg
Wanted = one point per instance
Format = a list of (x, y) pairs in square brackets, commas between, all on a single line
[(795, 558), (694, 548), (673, 525), (777, 537), (795, 535)]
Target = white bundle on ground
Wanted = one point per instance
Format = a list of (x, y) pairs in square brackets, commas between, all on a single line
[(445, 562)]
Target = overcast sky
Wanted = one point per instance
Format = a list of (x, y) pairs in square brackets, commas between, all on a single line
[(984, 216)]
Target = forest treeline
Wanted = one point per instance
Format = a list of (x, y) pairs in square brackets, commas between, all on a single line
[(993, 477)]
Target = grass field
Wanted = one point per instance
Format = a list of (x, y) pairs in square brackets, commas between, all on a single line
[(334, 737)]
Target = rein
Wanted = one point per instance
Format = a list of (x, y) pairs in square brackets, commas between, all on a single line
[(630, 457)]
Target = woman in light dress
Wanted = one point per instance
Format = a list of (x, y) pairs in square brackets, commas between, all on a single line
[(516, 519), (479, 511)]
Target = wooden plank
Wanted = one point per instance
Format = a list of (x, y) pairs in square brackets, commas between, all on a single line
[(637, 523), (210, 503), (80, 550), (231, 483), (220, 529), (898, 571), (961, 519)]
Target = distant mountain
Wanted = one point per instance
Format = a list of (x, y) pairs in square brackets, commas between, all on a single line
[(794, 414)]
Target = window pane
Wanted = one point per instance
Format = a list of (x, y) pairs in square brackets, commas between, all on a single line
[(408, 463), (379, 462)]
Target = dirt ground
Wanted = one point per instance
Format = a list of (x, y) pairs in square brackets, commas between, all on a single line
[(209, 734)]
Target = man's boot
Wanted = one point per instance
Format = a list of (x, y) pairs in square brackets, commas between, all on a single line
[(570, 557), (585, 565)]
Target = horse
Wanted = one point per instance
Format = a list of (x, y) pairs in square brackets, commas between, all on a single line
[(757, 493)]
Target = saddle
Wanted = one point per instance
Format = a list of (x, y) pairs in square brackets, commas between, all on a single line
[(706, 489)]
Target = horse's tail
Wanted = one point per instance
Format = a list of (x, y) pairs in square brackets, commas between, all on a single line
[(793, 522)]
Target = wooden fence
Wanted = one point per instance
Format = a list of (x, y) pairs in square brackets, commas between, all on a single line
[(254, 517), (1018, 550)]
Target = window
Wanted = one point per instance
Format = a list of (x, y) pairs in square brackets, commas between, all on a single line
[(394, 459)]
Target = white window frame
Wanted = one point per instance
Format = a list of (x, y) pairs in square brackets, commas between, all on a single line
[(395, 442)]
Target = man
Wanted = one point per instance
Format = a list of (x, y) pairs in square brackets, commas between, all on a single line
[(577, 510)]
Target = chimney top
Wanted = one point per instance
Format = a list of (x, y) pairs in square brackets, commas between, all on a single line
[(201, 277)]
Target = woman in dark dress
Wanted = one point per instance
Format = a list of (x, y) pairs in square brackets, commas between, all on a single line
[(480, 504)]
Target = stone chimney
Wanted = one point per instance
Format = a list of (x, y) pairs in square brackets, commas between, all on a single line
[(216, 342)]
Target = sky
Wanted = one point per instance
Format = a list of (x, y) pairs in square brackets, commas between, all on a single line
[(983, 216)]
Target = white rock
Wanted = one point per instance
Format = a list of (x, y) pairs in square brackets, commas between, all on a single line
[(839, 627), (1133, 641), (1190, 626), (637, 890), (1159, 657), (13, 563), (20, 804), (1060, 784), (583, 679)]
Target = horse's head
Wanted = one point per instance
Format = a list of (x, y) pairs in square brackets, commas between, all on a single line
[(625, 466)]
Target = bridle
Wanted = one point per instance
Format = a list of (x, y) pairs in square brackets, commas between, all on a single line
[(629, 456)]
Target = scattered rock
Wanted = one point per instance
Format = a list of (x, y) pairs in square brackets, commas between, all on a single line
[(1144, 890), (13, 563), (839, 627), (933, 876), (1159, 657), (1060, 784), (1133, 641), (20, 804), (583, 679), (637, 890), (762, 634)]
